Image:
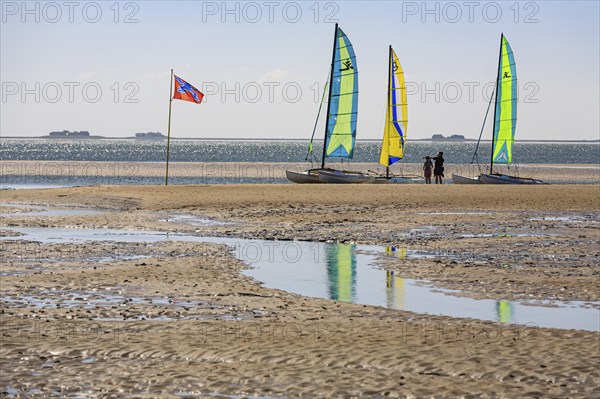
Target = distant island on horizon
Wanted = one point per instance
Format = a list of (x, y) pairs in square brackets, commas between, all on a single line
[(66, 134), (454, 137), (84, 134), (158, 136), (150, 136)]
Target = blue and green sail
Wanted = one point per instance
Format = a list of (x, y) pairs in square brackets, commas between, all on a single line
[(505, 120), (343, 100)]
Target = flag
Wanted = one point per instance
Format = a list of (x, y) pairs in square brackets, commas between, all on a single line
[(186, 92)]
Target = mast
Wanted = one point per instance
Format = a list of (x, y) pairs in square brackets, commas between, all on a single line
[(335, 36), (387, 168), (169, 130), (387, 111), (496, 100)]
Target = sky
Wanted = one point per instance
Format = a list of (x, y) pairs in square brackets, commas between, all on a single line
[(105, 67)]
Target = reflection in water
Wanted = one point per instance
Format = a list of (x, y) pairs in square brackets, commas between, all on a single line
[(391, 250), (394, 291), (394, 286), (345, 273), (341, 270), (341, 264), (505, 311)]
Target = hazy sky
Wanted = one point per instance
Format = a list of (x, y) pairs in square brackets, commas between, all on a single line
[(105, 66)]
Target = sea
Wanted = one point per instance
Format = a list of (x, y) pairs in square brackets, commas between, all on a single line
[(228, 152)]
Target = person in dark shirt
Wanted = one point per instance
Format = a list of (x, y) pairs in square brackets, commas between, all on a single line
[(438, 169)]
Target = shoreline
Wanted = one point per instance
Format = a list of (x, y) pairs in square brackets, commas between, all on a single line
[(101, 172)]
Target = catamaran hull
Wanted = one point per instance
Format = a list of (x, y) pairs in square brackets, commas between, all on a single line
[(361, 178), (339, 177), (456, 179), (307, 177), (404, 180), (505, 179)]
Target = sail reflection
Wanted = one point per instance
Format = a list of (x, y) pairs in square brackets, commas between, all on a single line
[(394, 291), (398, 252), (394, 286), (505, 311), (341, 271), (342, 281)]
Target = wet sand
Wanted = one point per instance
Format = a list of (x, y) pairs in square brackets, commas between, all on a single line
[(184, 321), (31, 172)]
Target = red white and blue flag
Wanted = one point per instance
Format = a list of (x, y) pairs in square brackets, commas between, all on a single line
[(186, 92)]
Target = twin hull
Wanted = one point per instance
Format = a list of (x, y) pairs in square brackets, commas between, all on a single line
[(332, 176)]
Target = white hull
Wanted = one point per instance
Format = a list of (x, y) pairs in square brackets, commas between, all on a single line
[(344, 177), (505, 179), (341, 177), (310, 176), (456, 179), (406, 180)]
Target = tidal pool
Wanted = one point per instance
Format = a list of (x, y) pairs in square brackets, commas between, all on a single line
[(347, 273)]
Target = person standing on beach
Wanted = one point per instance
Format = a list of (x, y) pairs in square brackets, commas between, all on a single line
[(427, 166), (438, 170)]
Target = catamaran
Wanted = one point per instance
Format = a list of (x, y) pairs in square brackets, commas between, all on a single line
[(342, 111), (396, 115), (505, 121), (394, 136), (396, 122)]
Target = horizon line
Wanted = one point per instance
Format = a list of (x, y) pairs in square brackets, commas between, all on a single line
[(445, 140)]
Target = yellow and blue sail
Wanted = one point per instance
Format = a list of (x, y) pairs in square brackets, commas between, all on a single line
[(396, 116), (506, 105), (343, 101)]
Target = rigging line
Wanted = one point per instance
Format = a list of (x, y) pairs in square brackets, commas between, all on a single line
[(310, 146), (482, 127)]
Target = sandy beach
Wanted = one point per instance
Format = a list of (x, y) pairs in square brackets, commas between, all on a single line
[(170, 247), (32, 172), (181, 320)]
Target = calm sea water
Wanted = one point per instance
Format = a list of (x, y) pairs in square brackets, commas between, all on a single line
[(270, 151), (226, 153)]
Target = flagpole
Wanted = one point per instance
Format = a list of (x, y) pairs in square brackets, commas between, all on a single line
[(169, 129)]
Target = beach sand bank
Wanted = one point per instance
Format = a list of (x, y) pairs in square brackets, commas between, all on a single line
[(184, 320), (73, 172)]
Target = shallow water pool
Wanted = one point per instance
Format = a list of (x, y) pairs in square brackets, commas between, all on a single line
[(347, 273)]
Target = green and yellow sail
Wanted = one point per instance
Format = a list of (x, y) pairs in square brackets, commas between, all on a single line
[(343, 100), (396, 115), (505, 119)]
